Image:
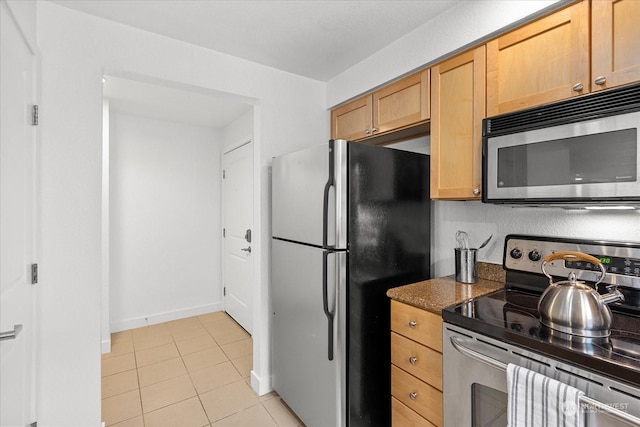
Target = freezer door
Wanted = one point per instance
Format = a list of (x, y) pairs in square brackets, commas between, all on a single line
[(309, 196), (311, 384)]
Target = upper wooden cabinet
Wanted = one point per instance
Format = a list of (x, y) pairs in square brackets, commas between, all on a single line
[(615, 35), (586, 47), (541, 62), (396, 106), (457, 110)]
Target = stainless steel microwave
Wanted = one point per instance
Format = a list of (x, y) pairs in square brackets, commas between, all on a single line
[(580, 152)]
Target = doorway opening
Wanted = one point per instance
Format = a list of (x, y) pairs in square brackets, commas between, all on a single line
[(163, 145)]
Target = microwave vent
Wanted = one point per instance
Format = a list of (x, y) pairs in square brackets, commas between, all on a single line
[(599, 104)]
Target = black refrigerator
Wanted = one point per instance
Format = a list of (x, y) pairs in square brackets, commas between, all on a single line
[(349, 221)]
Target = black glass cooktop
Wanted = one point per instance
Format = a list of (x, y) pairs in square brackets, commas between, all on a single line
[(511, 315)]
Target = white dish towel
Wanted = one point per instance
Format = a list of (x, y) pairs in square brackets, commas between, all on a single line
[(535, 400)]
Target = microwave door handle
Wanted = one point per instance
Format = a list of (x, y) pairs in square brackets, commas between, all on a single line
[(457, 343)]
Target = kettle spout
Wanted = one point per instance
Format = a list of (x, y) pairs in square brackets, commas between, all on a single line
[(612, 296)]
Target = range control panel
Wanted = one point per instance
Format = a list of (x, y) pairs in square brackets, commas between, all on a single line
[(621, 260)]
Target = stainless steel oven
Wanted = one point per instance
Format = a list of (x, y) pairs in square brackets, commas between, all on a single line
[(484, 334), (581, 151), (475, 392)]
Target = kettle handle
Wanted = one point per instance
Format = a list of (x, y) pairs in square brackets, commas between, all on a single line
[(574, 256)]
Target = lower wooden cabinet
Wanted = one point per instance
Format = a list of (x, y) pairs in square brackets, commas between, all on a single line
[(416, 366), (403, 416)]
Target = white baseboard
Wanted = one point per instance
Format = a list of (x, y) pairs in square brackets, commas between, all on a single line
[(168, 316), (261, 386), (106, 346)]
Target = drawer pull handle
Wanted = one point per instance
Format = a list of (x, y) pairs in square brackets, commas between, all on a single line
[(413, 360), (413, 395), (412, 324)]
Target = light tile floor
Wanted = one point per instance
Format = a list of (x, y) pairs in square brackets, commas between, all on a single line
[(192, 372)]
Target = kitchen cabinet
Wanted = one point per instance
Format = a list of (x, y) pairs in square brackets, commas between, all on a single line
[(541, 62), (552, 59), (396, 106), (457, 110), (416, 366), (614, 41)]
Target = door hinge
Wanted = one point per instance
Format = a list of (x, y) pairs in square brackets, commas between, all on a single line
[(224, 291), (224, 232), (34, 115), (33, 424), (224, 174), (34, 274)]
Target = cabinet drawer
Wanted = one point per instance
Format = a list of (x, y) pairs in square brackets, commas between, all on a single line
[(417, 395), (417, 324), (416, 359), (402, 416)]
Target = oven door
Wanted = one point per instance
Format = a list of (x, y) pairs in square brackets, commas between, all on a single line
[(475, 386), (593, 160)]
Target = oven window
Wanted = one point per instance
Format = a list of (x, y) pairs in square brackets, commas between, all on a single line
[(489, 406), (607, 157)]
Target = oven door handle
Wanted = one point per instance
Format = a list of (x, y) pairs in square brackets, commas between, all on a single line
[(457, 343)]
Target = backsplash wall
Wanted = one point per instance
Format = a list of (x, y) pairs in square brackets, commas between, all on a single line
[(480, 220)]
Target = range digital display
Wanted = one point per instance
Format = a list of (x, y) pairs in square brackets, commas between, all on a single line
[(615, 265)]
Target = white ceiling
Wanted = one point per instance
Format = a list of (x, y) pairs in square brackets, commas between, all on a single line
[(318, 39), (314, 38)]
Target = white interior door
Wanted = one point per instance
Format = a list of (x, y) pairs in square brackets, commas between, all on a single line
[(238, 214), (17, 193)]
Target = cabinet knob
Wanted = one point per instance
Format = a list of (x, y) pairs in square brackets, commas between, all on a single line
[(578, 87), (476, 191), (412, 324), (367, 132), (600, 80), (374, 130), (413, 395), (413, 360)]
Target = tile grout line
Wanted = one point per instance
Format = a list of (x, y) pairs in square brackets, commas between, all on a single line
[(174, 341)]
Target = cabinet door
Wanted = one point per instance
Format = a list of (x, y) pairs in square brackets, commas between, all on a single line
[(403, 103), (541, 62), (353, 121), (615, 37), (457, 110)]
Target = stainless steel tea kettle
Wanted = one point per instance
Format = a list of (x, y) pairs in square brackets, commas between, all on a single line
[(574, 307)]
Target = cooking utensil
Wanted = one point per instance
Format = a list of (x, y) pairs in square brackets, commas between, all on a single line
[(485, 242), (462, 240), (573, 307)]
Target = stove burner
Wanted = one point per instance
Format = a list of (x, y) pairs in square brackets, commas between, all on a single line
[(514, 313)]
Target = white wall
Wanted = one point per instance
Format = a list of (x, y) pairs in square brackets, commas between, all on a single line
[(77, 50), (238, 132), (24, 12), (165, 223), (458, 27)]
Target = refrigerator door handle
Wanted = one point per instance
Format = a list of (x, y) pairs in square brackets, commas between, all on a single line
[(325, 203), (325, 304)]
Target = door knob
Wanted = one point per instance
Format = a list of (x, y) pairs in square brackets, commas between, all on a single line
[(247, 249)]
